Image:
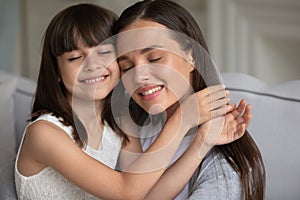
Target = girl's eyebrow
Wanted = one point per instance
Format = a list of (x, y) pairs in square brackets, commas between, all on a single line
[(143, 51)]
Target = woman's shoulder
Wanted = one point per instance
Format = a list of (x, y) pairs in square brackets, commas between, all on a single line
[(217, 179), (215, 162)]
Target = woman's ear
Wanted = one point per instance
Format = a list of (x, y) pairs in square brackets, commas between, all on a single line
[(191, 60), (58, 77)]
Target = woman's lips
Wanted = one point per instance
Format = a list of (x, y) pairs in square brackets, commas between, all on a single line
[(148, 93)]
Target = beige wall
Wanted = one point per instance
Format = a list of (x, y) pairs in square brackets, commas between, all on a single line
[(258, 37), (36, 14)]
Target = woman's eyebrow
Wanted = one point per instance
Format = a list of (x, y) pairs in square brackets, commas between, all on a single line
[(150, 48), (120, 58), (143, 51)]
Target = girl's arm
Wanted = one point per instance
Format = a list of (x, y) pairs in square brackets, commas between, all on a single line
[(175, 178), (47, 145), (194, 110)]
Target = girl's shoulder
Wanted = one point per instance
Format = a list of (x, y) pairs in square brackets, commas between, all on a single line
[(48, 122), (44, 130)]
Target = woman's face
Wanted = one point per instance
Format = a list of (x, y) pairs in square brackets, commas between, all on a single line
[(89, 74), (155, 72)]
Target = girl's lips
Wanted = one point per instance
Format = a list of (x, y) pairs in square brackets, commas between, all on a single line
[(92, 80)]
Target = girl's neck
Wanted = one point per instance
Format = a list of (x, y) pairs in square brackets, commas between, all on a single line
[(89, 113)]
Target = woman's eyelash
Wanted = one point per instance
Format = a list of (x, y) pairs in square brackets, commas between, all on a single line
[(125, 69), (155, 59)]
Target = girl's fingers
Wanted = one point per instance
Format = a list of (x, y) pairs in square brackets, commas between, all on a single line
[(240, 109), (241, 131), (242, 106), (240, 120), (218, 95), (247, 115), (220, 111), (207, 92), (219, 103), (212, 89)]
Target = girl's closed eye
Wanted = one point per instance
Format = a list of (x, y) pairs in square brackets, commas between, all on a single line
[(104, 52), (74, 58), (105, 49)]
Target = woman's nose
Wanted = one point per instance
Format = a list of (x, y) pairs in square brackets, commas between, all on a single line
[(142, 74)]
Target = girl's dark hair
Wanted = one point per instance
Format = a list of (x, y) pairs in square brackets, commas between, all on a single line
[(243, 154), (89, 24)]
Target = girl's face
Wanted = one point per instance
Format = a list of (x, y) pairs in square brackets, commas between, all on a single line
[(157, 73), (89, 73)]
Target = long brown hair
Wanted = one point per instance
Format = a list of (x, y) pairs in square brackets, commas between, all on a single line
[(92, 25), (243, 155)]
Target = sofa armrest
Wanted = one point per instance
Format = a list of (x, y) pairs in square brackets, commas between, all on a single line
[(7, 183), (23, 99), (275, 127)]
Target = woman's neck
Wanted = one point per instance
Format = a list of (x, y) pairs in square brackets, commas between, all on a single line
[(171, 110), (173, 107)]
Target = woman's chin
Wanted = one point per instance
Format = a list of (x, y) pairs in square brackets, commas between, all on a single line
[(156, 109)]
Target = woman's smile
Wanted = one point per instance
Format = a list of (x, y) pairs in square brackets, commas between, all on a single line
[(150, 92)]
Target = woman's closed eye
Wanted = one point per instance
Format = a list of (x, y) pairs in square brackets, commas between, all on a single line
[(154, 59), (126, 68)]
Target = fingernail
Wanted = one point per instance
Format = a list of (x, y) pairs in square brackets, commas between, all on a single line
[(229, 107)]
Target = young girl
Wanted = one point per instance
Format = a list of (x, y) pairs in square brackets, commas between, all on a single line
[(69, 151), (159, 46)]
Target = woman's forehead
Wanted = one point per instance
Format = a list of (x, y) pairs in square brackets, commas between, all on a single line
[(145, 38)]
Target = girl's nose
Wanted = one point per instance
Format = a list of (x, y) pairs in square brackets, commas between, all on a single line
[(92, 63)]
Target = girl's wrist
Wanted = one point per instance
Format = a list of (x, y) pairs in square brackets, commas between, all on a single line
[(178, 118), (200, 145), (189, 113)]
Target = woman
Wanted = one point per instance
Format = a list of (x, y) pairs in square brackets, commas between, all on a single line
[(231, 171)]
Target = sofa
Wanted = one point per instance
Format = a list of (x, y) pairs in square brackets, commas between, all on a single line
[(275, 127), (15, 102)]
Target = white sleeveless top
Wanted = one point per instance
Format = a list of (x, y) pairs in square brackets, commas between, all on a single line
[(49, 184)]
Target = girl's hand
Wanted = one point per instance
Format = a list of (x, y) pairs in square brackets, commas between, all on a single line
[(206, 104), (224, 130)]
